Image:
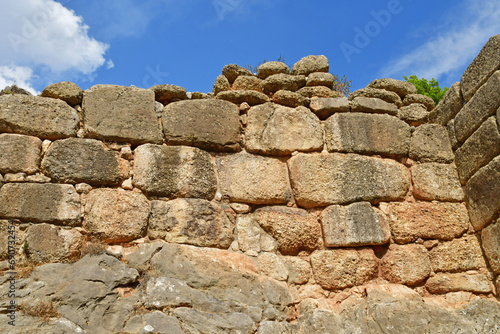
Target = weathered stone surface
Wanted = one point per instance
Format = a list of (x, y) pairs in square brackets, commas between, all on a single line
[(252, 239), (434, 181), (294, 229), (168, 93), (195, 321), (174, 171), (402, 88), (154, 322), (457, 255), (208, 124), (48, 243), (357, 224), (481, 68), (448, 107), (426, 220), (273, 266), (482, 194), (116, 215), (19, 154), (373, 105), (276, 82), (367, 134), (289, 99), (324, 107), (324, 179), (299, 270), (406, 264), (40, 203), (272, 67), (119, 113), (318, 91), (190, 221), (271, 327), (232, 71), (381, 94), (451, 134), (445, 282), (430, 143), (319, 321), (200, 96), (343, 268), (419, 98), (251, 97), (415, 114), (253, 179), (13, 90), (478, 150), (281, 130), (76, 160), (482, 105), (490, 238), (310, 64), (247, 82), (42, 117), (320, 79), (221, 84), (139, 258), (66, 91)]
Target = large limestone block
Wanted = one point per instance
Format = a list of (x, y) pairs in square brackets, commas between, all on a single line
[(247, 82), (367, 134), (66, 91), (276, 82), (448, 107), (76, 160), (478, 150), (208, 124), (419, 98), (335, 178), (190, 221), (434, 181), (320, 79), (402, 88), (253, 179), (458, 255), (318, 91), (290, 99), (40, 203), (482, 194), (486, 62), (232, 71), (446, 282), (19, 154), (294, 229), (406, 264), (343, 268), (482, 105), (415, 114), (221, 84), (426, 220), (430, 143), (272, 67), (373, 105), (310, 64), (490, 238), (174, 171), (37, 116), (251, 97), (357, 224), (382, 94), (116, 215), (168, 93), (280, 130), (324, 107), (252, 239), (120, 113)]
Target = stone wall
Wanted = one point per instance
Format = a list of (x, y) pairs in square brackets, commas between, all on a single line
[(273, 205)]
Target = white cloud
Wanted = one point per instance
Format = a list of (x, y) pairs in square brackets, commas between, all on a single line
[(460, 39), (49, 39), (18, 75)]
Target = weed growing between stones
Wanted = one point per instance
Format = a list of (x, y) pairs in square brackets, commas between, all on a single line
[(43, 310)]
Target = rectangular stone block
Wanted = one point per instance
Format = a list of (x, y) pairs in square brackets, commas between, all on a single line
[(324, 107), (37, 116), (253, 179), (373, 105), (434, 181), (445, 282), (174, 171), (357, 224), (426, 220), (119, 113), (335, 178), (479, 149), (458, 255), (490, 237), (40, 203), (208, 124), (76, 160), (406, 264), (482, 194), (367, 134), (277, 130), (430, 143), (19, 154), (448, 107), (482, 105), (485, 63)]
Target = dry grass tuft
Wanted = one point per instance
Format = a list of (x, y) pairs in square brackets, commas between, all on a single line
[(41, 309)]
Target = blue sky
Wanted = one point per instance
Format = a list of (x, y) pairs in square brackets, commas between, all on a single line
[(186, 43)]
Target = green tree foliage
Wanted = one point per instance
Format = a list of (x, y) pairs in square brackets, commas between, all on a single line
[(428, 88)]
